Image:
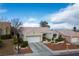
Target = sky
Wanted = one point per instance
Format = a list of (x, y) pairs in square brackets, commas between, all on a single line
[(58, 15)]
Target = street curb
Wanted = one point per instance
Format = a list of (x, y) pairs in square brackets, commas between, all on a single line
[(70, 51)]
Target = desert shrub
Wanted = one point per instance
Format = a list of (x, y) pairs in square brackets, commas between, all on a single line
[(24, 44)]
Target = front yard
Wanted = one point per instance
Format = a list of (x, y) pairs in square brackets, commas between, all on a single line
[(61, 46), (59, 43), (7, 48), (25, 50), (21, 47)]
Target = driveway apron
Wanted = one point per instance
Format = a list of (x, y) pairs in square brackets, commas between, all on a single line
[(39, 49)]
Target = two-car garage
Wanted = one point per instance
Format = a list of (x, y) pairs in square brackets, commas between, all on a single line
[(75, 41), (32, 39)]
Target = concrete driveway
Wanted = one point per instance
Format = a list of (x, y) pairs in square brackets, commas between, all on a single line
[(39, 49)]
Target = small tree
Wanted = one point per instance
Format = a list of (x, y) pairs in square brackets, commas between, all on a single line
[(44, 24), (16, 24), (1, 43), (44, 37), (74, 28), (60, 38), (53, 38), (15, 40)]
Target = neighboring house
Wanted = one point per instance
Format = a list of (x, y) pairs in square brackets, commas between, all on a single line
[(34, 34), (71, 36), (5, 28)]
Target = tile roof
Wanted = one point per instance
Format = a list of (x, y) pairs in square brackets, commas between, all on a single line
[(38, 30), (69, 33), (5, 24)]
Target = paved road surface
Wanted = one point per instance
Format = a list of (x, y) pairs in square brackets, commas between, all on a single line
[(73, 54)]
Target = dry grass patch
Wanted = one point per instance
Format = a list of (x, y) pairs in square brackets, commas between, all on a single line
[(8, 48)]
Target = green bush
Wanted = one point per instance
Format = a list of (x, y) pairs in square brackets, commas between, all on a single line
[(5, 36), (15, 40), (54, 36), (58, 40), (44, 38), (48, 40), (1, 43), (52, 42), (24, 44), (52, 39)]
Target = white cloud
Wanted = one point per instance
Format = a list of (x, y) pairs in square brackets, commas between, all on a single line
[(31, 19), (31, 23), (66, 17), (60, 26), (3, 10)]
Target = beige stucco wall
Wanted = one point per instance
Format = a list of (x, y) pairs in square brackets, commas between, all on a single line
[(25, 35), (50, 35), (5, 28)]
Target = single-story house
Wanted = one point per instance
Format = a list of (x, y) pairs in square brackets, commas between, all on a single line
[(34, 34), (5, 28), (70, 35)]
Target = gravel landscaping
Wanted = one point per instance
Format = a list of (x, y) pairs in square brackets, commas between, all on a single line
[(61, 46), (25, 50)]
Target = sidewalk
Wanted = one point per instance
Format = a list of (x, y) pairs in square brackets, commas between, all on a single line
[(68, 51)]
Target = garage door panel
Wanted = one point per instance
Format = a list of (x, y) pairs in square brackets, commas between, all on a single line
[(34, 39), (74, 40)]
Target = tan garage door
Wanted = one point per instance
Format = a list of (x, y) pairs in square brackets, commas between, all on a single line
[(32, 39), (75, 40)]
